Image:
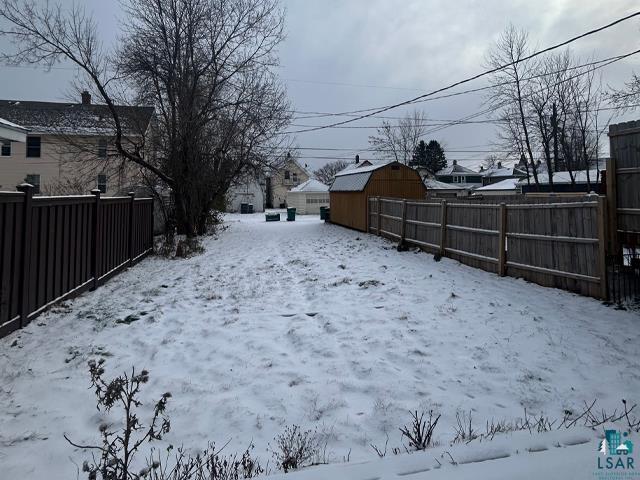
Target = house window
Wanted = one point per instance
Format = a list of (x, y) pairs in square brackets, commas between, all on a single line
[(295, 177), (102, 183), (102, 148), (6, 148), (33, 147), (287, 174), (34, 179)]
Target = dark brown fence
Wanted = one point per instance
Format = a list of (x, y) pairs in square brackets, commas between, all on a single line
[(52, 248), (558, 245)]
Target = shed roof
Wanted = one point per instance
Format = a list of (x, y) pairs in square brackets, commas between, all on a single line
[(354, 180), (433, 184), (580, 176), (311, 185), (507, 184)]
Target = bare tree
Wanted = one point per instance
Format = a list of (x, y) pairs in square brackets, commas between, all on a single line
[(510, 87), (398, 142), (204, 65), (327, 173)]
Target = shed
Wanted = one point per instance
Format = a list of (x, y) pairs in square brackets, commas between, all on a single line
[(308, 197), (351, 189)]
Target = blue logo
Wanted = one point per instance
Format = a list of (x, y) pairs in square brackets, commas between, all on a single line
[(616, 453)]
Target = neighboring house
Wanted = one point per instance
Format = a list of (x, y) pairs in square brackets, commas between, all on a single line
[(500, 173), (459, 175), (249, 190), (10, 132), (443, 190), (289, 175), (509, 186), (69, 147), (308, 197), (562, 183)]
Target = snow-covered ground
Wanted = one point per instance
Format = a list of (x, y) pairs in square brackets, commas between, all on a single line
[(309, 324)]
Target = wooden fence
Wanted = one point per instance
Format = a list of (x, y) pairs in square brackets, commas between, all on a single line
[(558, 245), (52, 248)]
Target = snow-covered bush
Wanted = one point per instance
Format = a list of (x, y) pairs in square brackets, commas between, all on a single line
[(296, 448)]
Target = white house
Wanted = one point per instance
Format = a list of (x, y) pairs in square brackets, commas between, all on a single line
[(247, 190), (308, 197)]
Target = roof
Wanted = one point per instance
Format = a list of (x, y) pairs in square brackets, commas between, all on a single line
[(354, 180), (507, 184), (311, 185), (12, 132), (354, 166), (502, 172), (362, 167), (565, 177), (455, 168), (74, 118), (433, 184)]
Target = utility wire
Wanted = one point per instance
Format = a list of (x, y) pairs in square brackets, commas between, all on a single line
[(475, 77)]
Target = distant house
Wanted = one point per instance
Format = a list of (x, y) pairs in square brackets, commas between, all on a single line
[(279, 182), (351, 189), (509, 186), (68, 144), (308, 197), (10, 132), (500, 173), (443, 190), (249, 190), (459, 175)]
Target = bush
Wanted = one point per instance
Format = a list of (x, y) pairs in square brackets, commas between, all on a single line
[(296, 448), (420, 436)]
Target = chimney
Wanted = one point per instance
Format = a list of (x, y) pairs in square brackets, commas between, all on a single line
[(499, 164), (482, 168), (357, 159), (86, 98), (455, 162)]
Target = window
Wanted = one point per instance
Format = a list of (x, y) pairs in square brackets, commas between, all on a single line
[(34, 179), (102, 148), (33, 147), (102, 183), (295, 177), (287, 174), (6, 148)]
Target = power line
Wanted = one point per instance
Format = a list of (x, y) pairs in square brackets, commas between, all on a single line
[(475, 77)]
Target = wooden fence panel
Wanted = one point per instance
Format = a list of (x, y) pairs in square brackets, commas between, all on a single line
[(558, 245), (52, 248)]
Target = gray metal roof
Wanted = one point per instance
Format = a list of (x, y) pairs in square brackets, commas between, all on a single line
[(354, 182)]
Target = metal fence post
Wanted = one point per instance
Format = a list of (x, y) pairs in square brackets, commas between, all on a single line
[(132, 196), (97, 240), (443, 228), (602, 247), (502, 239), (25, 260)]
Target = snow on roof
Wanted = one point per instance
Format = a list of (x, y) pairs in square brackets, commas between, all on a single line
[(73, 118), (507, 184), (8, 124), (311, 185), (502, 172), (455, 168), (433, 184), (354, 180), (565, 177), (370, 167)]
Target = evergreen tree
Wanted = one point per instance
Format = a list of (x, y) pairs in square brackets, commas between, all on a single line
[(419, 158), (436, 159), (603, 447)]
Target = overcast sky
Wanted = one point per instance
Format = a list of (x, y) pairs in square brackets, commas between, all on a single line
[(343, 55)]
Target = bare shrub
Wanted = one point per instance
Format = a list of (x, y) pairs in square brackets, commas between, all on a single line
[(420, 436), (188, 247), (119, 446), (295, 448), (464, 428)]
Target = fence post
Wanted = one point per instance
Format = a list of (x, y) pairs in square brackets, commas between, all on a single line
[(25, 260), (602, 246), (378, 214), (96, 242), (443, 227), (132, 196), (502, 239), (612, 204), (403, 224)]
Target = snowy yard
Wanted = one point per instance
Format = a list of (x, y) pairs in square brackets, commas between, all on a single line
[(309, 324)]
